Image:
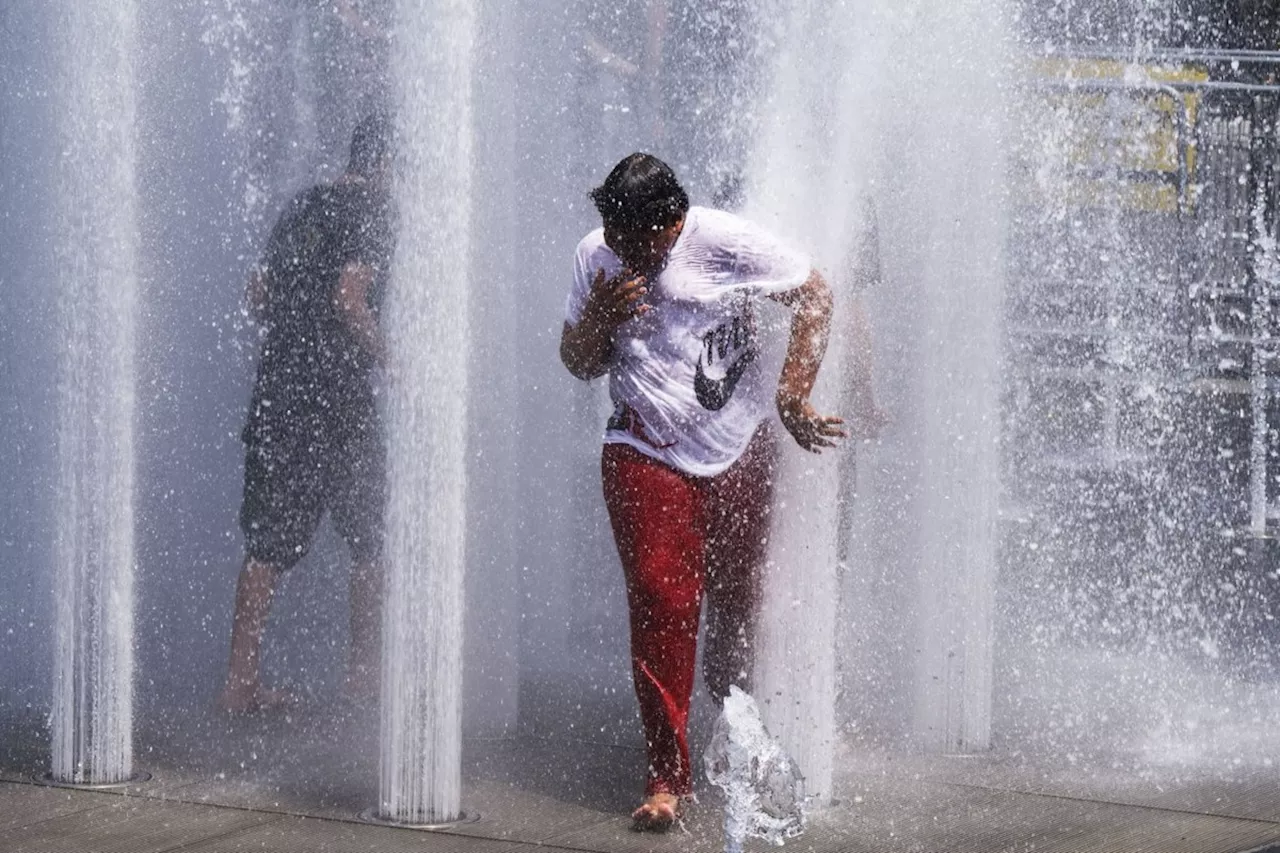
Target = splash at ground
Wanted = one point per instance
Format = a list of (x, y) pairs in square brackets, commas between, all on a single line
[(764, 790)]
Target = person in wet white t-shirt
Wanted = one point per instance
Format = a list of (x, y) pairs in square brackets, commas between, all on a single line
[(665, 300)]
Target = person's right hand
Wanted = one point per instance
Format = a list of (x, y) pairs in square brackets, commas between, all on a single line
[(616, 300), (811, 430)]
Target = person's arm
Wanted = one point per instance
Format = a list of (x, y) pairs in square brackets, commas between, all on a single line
[(811, 305), (586, 347), (352, 301), (255, 295)]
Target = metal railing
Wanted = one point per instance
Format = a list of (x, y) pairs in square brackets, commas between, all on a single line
[(1202, 123)]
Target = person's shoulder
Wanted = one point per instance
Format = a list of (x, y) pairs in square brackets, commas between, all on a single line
[(707, 216), (319, 191), (355, 205), (296, 212), (301, 200), (591, 245), (309, 202), (713, 229), (710, 222), (346, 195)]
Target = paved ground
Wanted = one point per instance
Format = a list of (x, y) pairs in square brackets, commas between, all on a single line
[(300, 783)]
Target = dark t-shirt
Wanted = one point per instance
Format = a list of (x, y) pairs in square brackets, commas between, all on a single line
[(312, 374)]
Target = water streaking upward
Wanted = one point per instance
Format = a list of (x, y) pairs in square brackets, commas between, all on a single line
[(764, 792), (882, 156), (97, 245), (426, 317), (944, 211)]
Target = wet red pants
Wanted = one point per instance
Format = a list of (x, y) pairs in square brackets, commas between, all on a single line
[(680, 536)]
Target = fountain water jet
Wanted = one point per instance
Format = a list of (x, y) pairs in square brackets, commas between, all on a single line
[(874, 159), (797, 658), (92, 714), (950, 190), (426, 318)]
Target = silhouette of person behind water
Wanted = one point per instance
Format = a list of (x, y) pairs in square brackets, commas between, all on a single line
[(313, 439)]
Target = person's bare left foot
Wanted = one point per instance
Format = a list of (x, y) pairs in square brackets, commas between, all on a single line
[(658, 813)]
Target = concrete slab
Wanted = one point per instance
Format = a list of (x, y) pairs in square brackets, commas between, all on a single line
[(925, 816), (122, 824), (26, 804), (1248, 793), (307, 835), (512, 813)]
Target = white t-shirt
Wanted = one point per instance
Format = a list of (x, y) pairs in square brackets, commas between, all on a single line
[(686, 380)]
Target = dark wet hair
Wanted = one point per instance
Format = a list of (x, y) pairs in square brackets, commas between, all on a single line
[(370, 143), (640, 192)]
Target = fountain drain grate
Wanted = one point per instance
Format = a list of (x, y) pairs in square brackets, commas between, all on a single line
[(48, 779), (371, 815)]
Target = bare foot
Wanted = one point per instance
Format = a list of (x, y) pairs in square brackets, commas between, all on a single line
[(255, 700), (657, 813)]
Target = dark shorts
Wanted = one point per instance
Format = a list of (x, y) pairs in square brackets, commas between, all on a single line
[(292, 475)]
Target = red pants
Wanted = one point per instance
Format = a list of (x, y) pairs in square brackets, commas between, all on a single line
[(679, 536)]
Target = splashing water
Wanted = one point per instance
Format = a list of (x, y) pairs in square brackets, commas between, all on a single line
[(91, 720), (763, 788), (428, 331)]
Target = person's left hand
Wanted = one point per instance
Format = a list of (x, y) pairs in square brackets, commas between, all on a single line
[(811, 430)]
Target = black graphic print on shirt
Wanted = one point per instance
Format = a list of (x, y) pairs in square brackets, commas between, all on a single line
[(727, 349)]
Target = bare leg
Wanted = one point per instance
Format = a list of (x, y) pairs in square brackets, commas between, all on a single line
[(243, 691), (364, 660)]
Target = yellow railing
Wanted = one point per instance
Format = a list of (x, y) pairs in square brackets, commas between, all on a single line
[(1115, 133)]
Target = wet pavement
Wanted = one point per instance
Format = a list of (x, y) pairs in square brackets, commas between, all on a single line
[(301, 781)]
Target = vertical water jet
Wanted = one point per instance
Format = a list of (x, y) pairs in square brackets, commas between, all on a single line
[(802, 168), (426, 317), (943, 210), (906, 146), (96, 263)]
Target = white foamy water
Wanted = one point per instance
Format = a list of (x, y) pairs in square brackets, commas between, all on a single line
[(97, 245), (764, 791), (426, 317)]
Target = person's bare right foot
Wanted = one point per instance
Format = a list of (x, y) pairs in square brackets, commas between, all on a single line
[(658, 813)]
